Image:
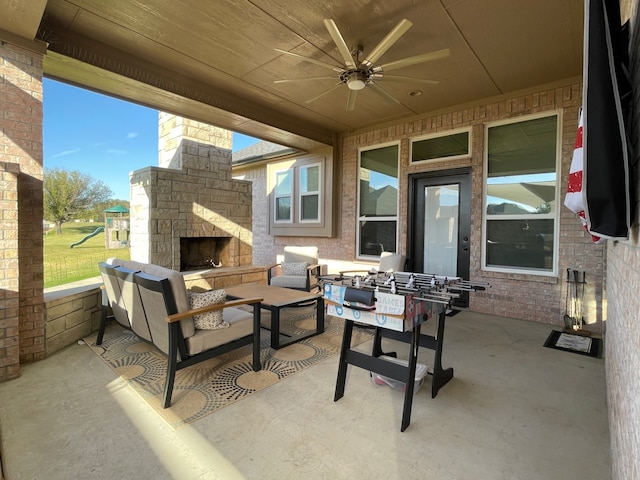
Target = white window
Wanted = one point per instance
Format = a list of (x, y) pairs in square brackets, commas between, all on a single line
[(282, 198), (309, 198), (378, 201), (521, 191)]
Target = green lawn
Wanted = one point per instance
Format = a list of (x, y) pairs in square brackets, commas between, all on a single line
[(64, 265)]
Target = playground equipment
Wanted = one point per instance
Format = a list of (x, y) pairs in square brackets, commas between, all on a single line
[(84, 239), (116, 223)]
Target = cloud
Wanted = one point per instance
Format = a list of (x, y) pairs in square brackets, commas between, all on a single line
[(132, 134), (64, 153), (115, 151)]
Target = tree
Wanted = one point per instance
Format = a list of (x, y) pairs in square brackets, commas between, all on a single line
[(67, 193), (96, 212)]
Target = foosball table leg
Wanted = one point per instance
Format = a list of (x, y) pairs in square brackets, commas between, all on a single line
[(441, 376), (342, 365)]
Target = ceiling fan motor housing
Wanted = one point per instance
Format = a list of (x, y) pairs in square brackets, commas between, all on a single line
[(355, 79)]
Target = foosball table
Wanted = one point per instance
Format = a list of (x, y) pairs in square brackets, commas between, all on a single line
[(396, 304)]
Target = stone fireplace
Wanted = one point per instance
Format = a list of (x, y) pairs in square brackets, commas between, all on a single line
[(189, 213)]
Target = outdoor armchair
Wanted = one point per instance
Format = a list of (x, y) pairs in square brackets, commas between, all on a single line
[(299, 269), (166, 304)]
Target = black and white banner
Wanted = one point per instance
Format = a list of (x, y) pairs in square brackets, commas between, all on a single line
[(598, 187)]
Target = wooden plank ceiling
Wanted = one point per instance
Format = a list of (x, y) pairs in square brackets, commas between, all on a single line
[(217, 61)]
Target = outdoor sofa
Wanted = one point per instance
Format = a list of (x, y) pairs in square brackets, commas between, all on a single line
[(154, 303)]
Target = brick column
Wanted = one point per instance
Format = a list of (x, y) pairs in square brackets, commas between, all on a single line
[(9, 272), (21, 242)]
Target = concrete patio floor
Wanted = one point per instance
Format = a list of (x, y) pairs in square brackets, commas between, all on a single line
[(514, 410)]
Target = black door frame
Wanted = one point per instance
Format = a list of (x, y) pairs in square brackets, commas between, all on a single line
[(415, 219)]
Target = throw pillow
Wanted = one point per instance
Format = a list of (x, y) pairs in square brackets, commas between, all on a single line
[(210, 320), (294, 268)]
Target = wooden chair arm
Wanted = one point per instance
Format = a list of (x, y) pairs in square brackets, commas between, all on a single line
[(176, 317)]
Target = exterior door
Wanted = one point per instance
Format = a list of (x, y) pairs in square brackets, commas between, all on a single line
[(440, 224)]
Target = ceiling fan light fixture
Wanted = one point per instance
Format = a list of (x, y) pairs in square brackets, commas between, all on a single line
[(357, 81)]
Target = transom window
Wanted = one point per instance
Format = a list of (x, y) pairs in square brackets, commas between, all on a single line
[(440, 146), (520, 195)]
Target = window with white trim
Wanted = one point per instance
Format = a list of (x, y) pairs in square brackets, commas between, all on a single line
[(521, 190), (300, 192), (282, 198), (309, 199), (377, 201)]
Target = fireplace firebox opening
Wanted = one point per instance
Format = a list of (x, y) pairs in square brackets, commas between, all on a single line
[(204, 252)]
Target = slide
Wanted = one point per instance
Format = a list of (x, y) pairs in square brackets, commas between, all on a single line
[(98, 230)]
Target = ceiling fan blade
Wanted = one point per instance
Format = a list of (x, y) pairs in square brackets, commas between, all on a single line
[(340, 43), (311, 60), (400, 78), (351, 101), (383, 93), (306, 79), (405, 62), (384, 45), (324, 93)]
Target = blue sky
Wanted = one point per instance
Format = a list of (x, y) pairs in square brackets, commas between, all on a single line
[(101, 136)]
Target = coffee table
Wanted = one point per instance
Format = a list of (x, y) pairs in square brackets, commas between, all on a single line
[(274, 300)]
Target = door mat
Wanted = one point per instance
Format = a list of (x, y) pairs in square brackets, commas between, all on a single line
[(570, 342)]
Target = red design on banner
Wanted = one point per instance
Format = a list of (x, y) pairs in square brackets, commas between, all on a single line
[(575, 182), (579, 137), (574, 199)]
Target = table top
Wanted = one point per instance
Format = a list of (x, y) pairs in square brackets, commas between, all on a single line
[(272, 296)]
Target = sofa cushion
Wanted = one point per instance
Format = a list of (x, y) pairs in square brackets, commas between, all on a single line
[(289, 281), (240, 325), (179, 293), (132, 302), (210, 320)]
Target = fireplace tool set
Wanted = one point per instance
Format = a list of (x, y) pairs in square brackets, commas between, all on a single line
[(573, 317)]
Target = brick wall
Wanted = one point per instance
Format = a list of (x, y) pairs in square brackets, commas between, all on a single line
[(529, 297), (21, 157), (623, 290)]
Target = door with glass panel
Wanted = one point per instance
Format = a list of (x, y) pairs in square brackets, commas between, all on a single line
[(440, 224)]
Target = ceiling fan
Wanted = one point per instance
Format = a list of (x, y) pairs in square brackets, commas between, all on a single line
[(357, 74)]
